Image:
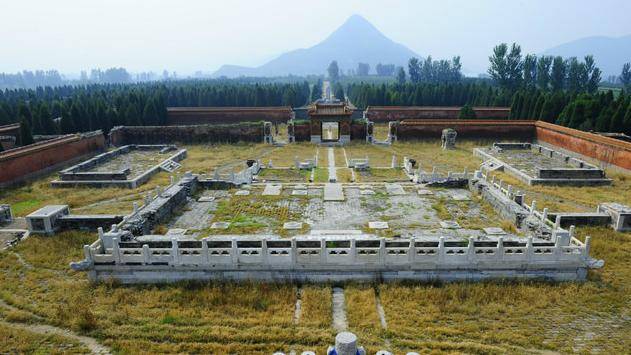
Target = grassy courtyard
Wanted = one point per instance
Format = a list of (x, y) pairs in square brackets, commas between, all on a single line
[(37, 286)]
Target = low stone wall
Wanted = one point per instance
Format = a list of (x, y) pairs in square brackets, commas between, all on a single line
[(77, 176), (161, 208), (200, 134), (383, 114), (88, 222), (470, 129), (502, 204), (184, 116), (20, 164)]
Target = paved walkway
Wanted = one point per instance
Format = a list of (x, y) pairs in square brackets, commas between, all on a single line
[(332, 168), (333, 192)]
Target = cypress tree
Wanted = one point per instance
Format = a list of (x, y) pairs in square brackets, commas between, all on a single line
[(26, 136), (466, 112)]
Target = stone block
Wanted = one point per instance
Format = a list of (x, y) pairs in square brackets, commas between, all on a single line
[(378, 225)]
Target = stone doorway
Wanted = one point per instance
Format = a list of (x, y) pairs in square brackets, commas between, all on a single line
[(330, 131)]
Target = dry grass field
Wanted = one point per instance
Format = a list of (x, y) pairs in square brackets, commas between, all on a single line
[(38, 287)]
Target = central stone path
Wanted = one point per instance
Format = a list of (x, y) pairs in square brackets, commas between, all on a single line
[(333, 192), (339, 312), (332, 169)]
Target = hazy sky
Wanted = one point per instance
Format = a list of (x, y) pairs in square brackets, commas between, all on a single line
[(190, 35)]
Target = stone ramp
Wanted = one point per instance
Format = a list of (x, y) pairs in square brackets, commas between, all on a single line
[(333, 192)]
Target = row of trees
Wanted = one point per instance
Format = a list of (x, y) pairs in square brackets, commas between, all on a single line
[(68, 109), (511, 71), (426, 94), (435, 71), (598, 111)]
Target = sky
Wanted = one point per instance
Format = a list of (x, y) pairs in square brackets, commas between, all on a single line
[(200, 35)]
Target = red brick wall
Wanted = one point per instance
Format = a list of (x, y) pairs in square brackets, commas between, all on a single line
[(20, 163), (395, 113), (197, 134), (487, 129), (224, 115), (605, 149)]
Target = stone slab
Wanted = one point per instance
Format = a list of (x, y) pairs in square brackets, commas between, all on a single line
[(206, 199), (242, 193), (378, 225), (272, 189), (292, 225), (333, 192), (424, 192), (176, 232), (299, 192), (449, 225), (220, 225), (494, 231), (366, 192), (395, 189), (461, 197)]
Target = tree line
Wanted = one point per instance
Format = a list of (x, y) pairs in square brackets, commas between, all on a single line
[(70, 109)]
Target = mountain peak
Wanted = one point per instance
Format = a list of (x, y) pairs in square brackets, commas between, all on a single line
[(355, 41)]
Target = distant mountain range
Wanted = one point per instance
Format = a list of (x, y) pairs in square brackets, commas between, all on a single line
[(357, 40), (610, 53)]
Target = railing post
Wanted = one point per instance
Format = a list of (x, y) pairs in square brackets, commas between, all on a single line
[(353, 250), (588, 245), (533, 206), (544, 215), (234, 251), (116, 252), (500, 248), (412, 250), (294, 251), (382, 251), (175, 252), (322, 250), (102, 238), (471, 249), (146, 254), (264, 250), (205, 253), (441, 250)]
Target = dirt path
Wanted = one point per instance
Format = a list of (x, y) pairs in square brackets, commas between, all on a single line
[(44, 329)]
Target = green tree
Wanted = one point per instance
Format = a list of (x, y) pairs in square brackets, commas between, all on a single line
[(363, 69), (506, 66), (530, 71), (401, 76), (625, 76), (557, 76), (334, 71), (46, 120), (543, 72), (593, 75), (414, 68), (617, 120), (466, 112), (26, 136)]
